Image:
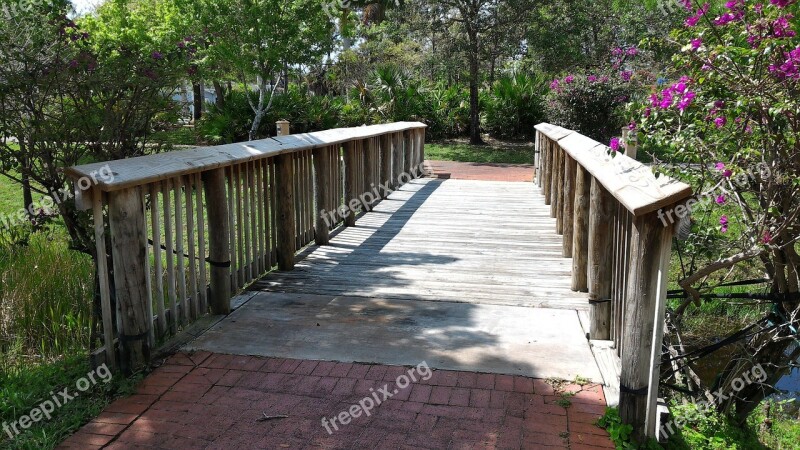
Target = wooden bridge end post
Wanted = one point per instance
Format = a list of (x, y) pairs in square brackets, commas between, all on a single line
[(651, 244), (126, 217)]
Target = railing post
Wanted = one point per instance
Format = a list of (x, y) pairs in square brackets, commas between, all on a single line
[(568, 206), (407, 152), (421, 154), (386, 163), (557, 207), (219, 251), (323, 183), (397, 165), (285, 214), (580, 241), (651, 244), (600, 261), (548, 171), (370, 165), (129, 252), (350, 182)]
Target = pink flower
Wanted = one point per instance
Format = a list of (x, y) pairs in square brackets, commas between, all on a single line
[(632, 126), (592, 78), (720, 199), (767, 238), (720, 122), (696, 43), (615, 144), (569, 79), (727, 173), (555, 85), (723, 222), (720, 166)]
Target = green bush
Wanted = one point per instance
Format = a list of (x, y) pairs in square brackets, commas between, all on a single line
[(514, 106), (590, 104)]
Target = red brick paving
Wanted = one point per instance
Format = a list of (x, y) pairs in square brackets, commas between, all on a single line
[(212, 401), (481, 171)]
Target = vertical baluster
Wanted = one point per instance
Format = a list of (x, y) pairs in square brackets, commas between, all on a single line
[(102, 272), (231, 199), (259, 168), (151, 337), (244, 222), (155, 217), (273, 209), (193, 292), (166, 191), (253, 243), (180, 250), (240, 221), (201, 233)]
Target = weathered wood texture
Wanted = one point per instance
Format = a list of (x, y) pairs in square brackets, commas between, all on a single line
[(444, 241), (605, 205)]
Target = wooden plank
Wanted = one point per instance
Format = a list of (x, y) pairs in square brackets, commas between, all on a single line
[(158, 270), (166, 191), (322, 173), (629, 181), (177, 185), (231, 199), (129, 246), (193, 301), (102, 274), (201, 232)]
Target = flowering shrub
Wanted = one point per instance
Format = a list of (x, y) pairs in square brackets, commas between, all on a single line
[(732, 111), (592, 102)]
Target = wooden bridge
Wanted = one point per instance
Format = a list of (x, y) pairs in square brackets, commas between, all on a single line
[(343, 225)]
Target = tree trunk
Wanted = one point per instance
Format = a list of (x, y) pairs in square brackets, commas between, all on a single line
[(219, 90), (27, 192), (198, 99), (474, 91)]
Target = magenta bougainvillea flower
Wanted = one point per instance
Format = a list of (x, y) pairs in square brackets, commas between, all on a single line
[(615, 144), (723, 222)]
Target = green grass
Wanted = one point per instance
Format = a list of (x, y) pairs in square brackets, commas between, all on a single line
[(46, 293), (10, 196), (176, 136), (23, 390), (494, 154)]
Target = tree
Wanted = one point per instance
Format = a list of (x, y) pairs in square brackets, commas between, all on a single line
[(732, 113), (478, 18), (256, 40)]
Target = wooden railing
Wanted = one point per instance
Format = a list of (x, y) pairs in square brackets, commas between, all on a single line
[(606, 207), (185, 231)]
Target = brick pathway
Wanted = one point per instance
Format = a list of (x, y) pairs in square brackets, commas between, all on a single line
[(481, 171), (214, 401)]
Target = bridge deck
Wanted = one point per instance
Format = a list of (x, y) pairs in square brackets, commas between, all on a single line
[(456, 241), (466, 275)]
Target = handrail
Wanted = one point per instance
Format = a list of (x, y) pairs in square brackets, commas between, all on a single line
[(629, 181), (179, 233), (606, 206), (161, 166)]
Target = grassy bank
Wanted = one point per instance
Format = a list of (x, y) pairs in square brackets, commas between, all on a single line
[(493, 153)]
